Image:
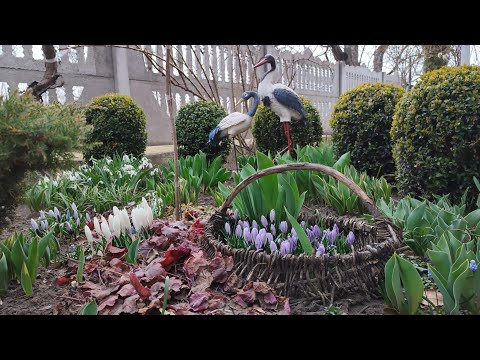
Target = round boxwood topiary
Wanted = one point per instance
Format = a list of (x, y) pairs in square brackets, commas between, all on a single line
[(436, 133), (361, 122), (269, 134), (119, 126), (194, 122)]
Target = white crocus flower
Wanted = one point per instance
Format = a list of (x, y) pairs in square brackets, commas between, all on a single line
[(117, 228), (110, 222), (103, 219), (116, 211), (89, 237), (125, 219), (135, 219), (96, 224), (106, 231)]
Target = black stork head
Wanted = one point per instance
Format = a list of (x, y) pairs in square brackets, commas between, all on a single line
[(248, 94), (266, 59)]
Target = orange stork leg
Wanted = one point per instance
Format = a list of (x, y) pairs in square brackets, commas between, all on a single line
[(286, 129)]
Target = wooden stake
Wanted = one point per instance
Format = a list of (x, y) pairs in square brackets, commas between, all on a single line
[(174, 132)]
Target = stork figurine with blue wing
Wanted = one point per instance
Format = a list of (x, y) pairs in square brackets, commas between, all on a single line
[(280, 98), (235, 123)]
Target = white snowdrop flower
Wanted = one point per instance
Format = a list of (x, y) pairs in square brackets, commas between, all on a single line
[(126, 158), (106, 231), (108, 160)]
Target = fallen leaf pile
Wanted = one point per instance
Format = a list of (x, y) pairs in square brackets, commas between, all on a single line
[(197, 285)]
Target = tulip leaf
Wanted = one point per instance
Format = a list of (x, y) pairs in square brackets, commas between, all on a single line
[(413, 284), (4, 278), (302, 236), (32, 263), (131, 257), (89, 308), (81, 264), (26, 281), (414, 220)]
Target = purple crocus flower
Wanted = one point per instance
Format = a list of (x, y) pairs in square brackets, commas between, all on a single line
[(44, 225), (335, 227), (254, 233), (67, 215), (254, 224), (327, 234), (34, 226), (235, 214), (259, 242), (228, 230), (350, 238), (293, 242), (272, 216), (264, 221), (238, 231), (320, 250), (293, 232), (269, 237), (273, 247), (75, 214), (333, 235), (285, 247), (311, 235), (246, 235), (42, 214), (284, 227), (56, 213), (246, 224), (273, 230), (87, 216), (240, 223), (78, 222), (68, 227), (74, 207), (316, 231), (51, 213), (263, 233)]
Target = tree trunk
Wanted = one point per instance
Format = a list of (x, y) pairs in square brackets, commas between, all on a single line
[(352, 53), (50, 76), (338, 53), (378, 58), (435, 56)]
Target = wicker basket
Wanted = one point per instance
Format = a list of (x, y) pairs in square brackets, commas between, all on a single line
[(327, 277)]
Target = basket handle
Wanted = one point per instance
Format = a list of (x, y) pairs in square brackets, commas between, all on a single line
[(366, 201)]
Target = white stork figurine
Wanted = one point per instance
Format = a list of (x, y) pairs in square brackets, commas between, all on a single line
[(280, 98), (234, 123)]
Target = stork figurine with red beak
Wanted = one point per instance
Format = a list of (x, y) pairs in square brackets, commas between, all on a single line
[(280, 98)]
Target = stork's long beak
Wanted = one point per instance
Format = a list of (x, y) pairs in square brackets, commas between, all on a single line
[(238, 102), (262, 61)]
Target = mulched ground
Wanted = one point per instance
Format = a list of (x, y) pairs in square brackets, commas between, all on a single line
[(198, 285)]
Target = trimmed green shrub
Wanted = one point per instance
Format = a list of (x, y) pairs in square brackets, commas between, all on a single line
[(119, 127), (436, 133), (34, 136), (361, 122), (194, 122), (269, 134)]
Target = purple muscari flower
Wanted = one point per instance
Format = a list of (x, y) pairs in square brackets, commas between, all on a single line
[(74, 207), (473, 266), (34, 225), (72, 248), (44, 225), (317, 231), (57, 213), (75, 214), (67, 215), (235, 214), (311, 235), (350, 238), (269, 237), (87, 216), (302, 224), (259, 242), (42, 214), (273, 247), (320, 250), (254, 224), (68, 227), (264, 221), (78, 222), (227, 228), (273, 230), (285, 247), (283, 227), (254, 233), (246, 224), (272, 215), (246, 235), (51, 213), (238, 231)]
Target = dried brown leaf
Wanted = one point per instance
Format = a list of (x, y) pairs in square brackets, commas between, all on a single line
[(127, 290), (203, 281), (199, 301), (110, 301)]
